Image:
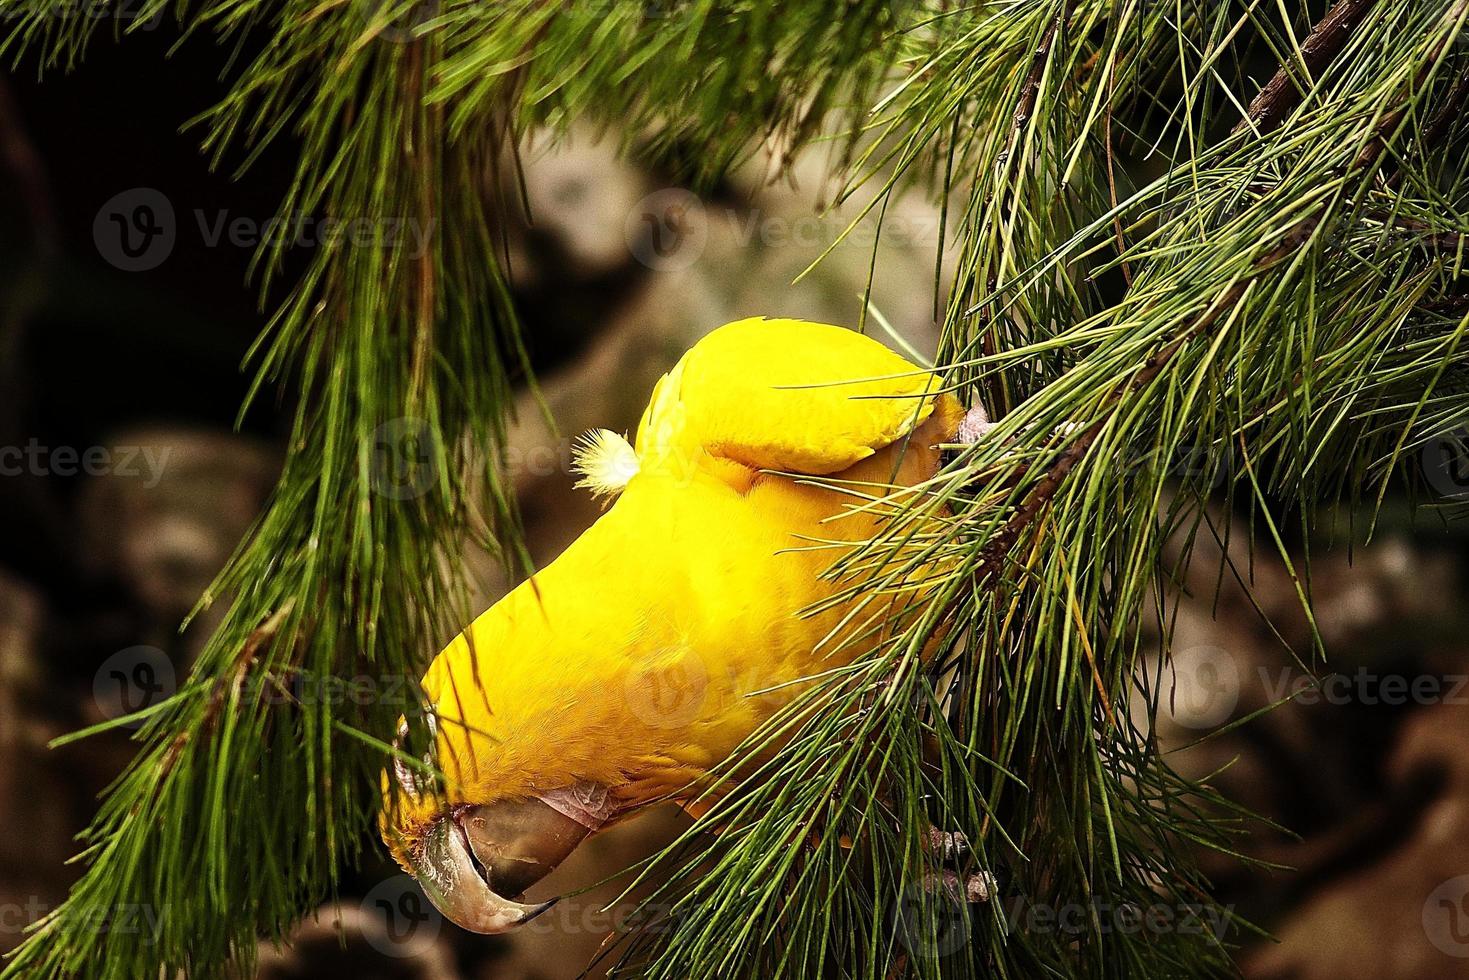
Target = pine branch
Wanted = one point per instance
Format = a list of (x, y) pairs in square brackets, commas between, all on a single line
[(1266, 112), (1285, 90)]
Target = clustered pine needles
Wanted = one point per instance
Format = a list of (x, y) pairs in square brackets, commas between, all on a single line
[(1275, 315), (1140, 284)]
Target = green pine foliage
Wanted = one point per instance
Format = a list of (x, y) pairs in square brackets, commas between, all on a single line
[(1229, 232)]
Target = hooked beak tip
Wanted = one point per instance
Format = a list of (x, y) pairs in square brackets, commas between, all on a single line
[(454, 883), (477, 861), (538, 910)]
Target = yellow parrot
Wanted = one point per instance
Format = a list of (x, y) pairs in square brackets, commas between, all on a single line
[(622, 673)]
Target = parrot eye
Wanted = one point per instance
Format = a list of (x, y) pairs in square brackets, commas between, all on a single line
[(414, 782)]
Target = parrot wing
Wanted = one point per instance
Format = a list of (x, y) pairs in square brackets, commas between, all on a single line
[(786, 395)]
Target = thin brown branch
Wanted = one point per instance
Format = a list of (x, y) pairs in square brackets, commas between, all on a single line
[(1284, 91), (1449, 111), (1425, 234), (233, 681), (1438, 125), (1040, 494), (1393, 119), (1454, 305), (1024, 107), (1112, 180), (1030, 88)]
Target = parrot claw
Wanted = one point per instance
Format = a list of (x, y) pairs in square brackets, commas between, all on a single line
[(951, 847), (971, 889), (947, 845), (974, 426)]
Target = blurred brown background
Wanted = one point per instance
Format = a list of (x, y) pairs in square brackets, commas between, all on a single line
[(125, 488)]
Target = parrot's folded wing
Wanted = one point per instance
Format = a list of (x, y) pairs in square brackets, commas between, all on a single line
[(787, 395)]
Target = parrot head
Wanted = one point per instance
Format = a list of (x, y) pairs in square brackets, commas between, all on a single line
[(474, 835)]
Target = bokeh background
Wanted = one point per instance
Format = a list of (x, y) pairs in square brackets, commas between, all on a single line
[(126, 480)]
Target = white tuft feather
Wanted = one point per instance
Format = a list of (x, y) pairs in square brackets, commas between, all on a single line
[(605, 461)]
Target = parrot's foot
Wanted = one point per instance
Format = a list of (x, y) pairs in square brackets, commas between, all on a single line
[(951, 847), (947, 845), (970, 888), (974, 426)]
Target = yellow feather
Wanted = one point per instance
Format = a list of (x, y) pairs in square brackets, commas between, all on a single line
[(606, 462)]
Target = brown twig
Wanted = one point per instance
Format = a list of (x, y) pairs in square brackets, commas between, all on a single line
[(1024, 107), (233, 681), (1378, 143), (1439, 123), (1283, 93), (1449, 111), (1030, 88), (1425, 234), (1046, 487), (1112, 179)]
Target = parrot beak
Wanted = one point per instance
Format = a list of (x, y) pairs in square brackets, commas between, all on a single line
[(476, 862)]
